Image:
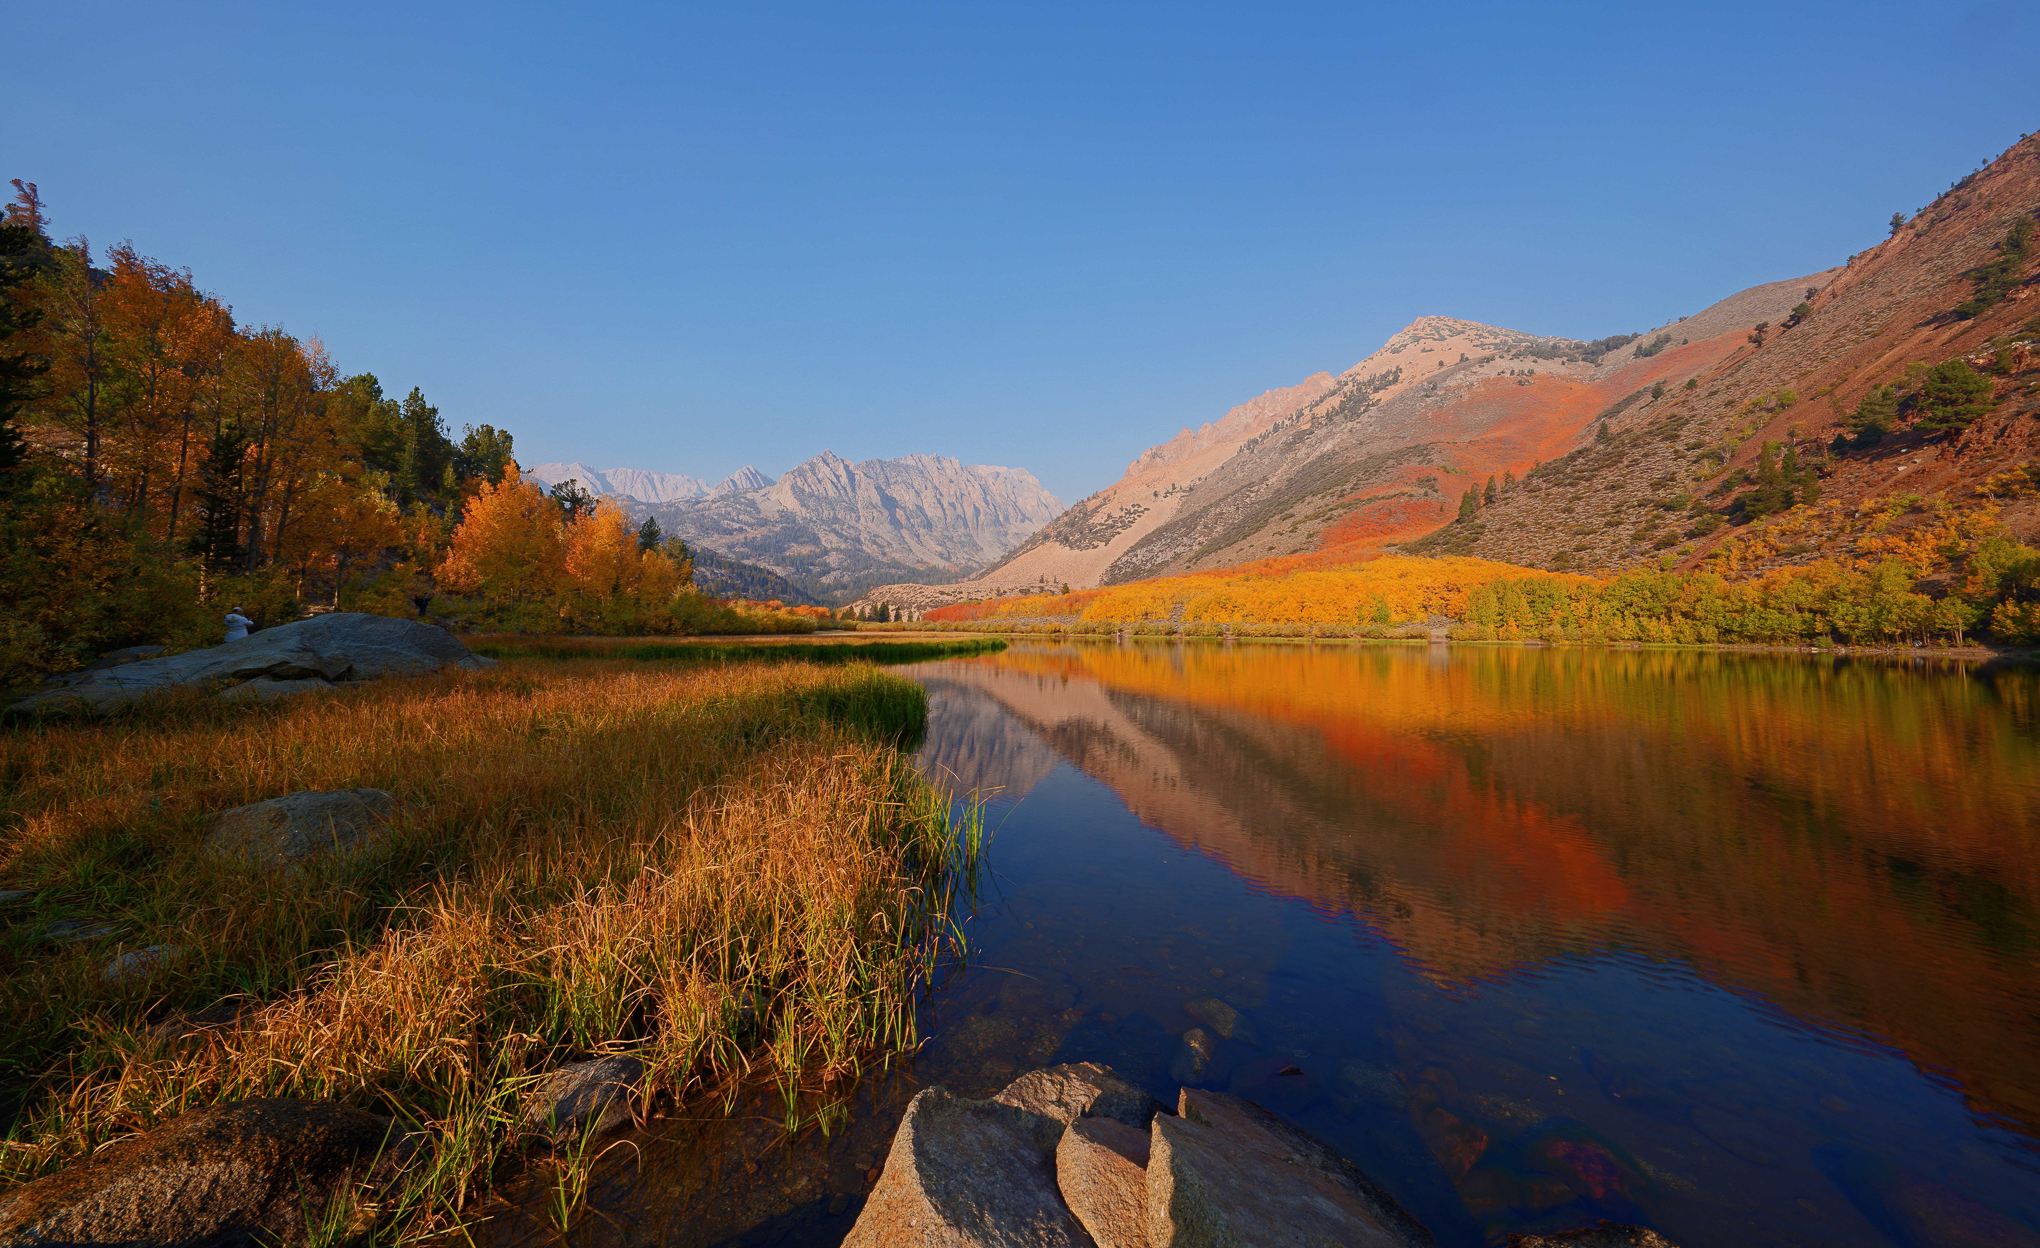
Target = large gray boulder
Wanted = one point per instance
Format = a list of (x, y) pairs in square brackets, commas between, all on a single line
[(969, 1174), (309, 654), (1226, 1172), (284, 831), (245, 1171)]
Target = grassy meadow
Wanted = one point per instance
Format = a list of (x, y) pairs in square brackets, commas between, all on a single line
[(729, 870)]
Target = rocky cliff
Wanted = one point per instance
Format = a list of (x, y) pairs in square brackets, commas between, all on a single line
[(632, 483), (835, 526)]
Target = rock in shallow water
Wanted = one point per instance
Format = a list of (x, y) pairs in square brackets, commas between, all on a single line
[(237, 1172), (1196, 1059), (568, 1100), (1101, 1168), (1067, 1093), (1600, 1235), (1227, 1171), (964, 1174)]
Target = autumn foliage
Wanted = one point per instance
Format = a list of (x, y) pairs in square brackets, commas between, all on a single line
[(160, 463)]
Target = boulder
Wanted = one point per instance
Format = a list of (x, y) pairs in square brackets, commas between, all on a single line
[(600, 1092), (239, 1172), (1220, 1017), (969, 1174), (1101, 1167), (325, 650), (1196, 1059), (284, 831), (1600, 1235), (1086, 1089), (138, 965), (1228, 1172)]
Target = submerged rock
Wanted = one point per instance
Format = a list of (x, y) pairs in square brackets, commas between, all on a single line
[(1221, 1018), (1600, 1235), (286, 830), (1196, 1059), (308, 654), (1227, 1171), (238, 1172), (1085, 1089), (600, 1092), (969, 1174)]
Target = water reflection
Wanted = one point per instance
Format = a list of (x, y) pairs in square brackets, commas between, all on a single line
[(1614, 933)]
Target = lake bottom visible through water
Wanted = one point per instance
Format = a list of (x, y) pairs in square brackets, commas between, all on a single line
[(1483, 989), (1745, 949)]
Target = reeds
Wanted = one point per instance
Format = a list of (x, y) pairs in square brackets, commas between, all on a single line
[(728, 871)]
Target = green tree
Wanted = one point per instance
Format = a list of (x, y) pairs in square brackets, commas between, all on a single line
[(1469, 503), (1488, 495), (1874, 416), (21, 245), (1997, 278), (485, 452), (1897, 223), (1800, 311), (572, 499), (648, 535), (1950, 397), (1757, 334), (428, 452), (217, 537)]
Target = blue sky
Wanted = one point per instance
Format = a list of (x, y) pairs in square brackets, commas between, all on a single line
[(1044, 235)]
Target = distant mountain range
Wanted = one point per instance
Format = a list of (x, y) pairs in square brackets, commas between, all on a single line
[(643, 486), (831, 527)]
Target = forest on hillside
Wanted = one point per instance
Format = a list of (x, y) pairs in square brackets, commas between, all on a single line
[(162, 462)]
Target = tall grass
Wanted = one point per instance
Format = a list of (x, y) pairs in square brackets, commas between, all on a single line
[(727, 871)]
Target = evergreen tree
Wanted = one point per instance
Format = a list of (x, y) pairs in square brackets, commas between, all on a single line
[(1874, 416), (485, 452), (1469, 503), (20, 247), (1897, 223), (1951, 396), (648, 535), (428, 452), (572, 499), (1488, 495), (217, 539)]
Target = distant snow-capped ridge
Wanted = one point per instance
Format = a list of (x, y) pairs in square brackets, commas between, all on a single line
[(644, 486)]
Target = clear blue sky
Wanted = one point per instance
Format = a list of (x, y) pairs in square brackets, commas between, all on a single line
[(694, 237)]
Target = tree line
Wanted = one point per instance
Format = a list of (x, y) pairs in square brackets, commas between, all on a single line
[(161, 461)]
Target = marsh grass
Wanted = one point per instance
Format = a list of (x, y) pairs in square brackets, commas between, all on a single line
[(507, 646), (727, 870)]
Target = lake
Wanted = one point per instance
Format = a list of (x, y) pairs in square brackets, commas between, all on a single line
[(1742, 947)]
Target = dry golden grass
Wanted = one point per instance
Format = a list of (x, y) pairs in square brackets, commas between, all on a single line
[(730, 872)]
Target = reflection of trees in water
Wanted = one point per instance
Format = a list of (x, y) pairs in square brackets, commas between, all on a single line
[(1860, 843)]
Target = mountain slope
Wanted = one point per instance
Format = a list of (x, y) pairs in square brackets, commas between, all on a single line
[(1378, 455), (1635, 496), (836, 526), (634, 483)]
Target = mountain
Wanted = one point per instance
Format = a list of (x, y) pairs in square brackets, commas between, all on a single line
[(1668, 471), (833, 527), (1374, 456), (635, 483)]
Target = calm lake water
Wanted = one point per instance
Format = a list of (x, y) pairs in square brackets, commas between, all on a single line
[(1744, 948)]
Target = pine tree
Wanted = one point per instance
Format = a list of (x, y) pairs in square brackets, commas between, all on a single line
[(648, 535), (1469, 503), (1488, 496), (19, 244), (217, 539)]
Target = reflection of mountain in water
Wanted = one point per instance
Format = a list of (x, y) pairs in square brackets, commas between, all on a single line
[(975, 745), (1861, 845)]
